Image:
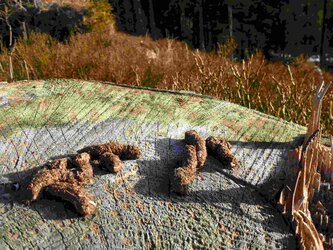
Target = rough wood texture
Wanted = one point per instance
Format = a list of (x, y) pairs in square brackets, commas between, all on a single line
[(44, 119)]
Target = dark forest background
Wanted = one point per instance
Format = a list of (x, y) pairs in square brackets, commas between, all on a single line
[(278, 28)]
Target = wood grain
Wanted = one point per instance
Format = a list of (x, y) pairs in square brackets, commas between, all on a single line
[(45, 119)]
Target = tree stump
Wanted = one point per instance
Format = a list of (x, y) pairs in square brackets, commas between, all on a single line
[(42, 120)]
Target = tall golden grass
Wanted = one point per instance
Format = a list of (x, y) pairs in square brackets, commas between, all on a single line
[(75, 4), (273, 88)]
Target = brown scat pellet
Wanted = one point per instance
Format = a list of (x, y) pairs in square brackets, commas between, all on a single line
[(213, 142), (190, 160), (65, 178), (84, 171), (58, 164), (82, 200), (221, 150), (130, 152), (94, 151), (111, 162), (193, 138), (184, 175), (125, 152), (57, 172)]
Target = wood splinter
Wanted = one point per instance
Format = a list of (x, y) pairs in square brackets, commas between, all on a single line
[(314, 161)]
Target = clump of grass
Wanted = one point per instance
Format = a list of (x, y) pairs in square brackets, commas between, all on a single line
[(273, 88), (72, 3), (98, 15)]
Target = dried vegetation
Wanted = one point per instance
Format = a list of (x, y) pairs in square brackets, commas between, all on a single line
[(104, 54), (310, 200)]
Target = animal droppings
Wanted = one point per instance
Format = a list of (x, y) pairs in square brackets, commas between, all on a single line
[(56, 172), (111, 162), (125, 152), (193, 138), (221, 150), (186, 173), (65, 178), (110, 155), (84, 171), (195, 156), (194, 159), (75, 194)]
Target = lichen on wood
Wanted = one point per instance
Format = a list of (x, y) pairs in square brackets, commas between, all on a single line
[(74, 112)]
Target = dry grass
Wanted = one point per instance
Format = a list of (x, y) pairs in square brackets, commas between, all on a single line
[(75, 4), (273, 88)]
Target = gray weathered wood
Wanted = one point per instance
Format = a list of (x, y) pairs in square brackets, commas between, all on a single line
[(45, 119)]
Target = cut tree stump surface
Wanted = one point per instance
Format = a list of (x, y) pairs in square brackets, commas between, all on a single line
[(41, 120)]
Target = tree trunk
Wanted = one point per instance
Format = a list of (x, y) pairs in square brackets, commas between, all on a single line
[(11, 47), (11, 69), (153, 28), (323, 31), (140, 18), (230, 20), (201, 25), (129, 16), (136, 207)]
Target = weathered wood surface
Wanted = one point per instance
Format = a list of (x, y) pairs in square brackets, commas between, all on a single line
[(44, 119)]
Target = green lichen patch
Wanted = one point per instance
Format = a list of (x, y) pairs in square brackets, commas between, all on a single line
[(59, 102)]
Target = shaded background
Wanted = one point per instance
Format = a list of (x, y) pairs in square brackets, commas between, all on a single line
[(280, 29)]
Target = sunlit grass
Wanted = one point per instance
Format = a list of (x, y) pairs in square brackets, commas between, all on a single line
[(273, 88), (76, 4)]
